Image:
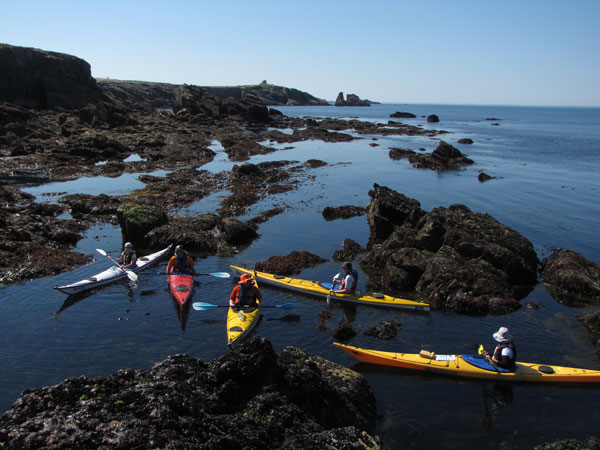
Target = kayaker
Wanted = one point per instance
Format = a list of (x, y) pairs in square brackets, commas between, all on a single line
[(505, 353), (127, 258), (245, 293), (181, 262), (346, 279)]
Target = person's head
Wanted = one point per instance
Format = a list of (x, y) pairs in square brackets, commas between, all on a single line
[(502, 335), (179, 250), (246, 279), (347, 266), (128, 246)]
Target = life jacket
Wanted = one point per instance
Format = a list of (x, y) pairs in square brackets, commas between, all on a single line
[(127, 258), (245, 295), (181, 264), (354, 274), (498, 354)]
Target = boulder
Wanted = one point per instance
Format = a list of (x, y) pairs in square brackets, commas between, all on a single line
[(250, 108), (403, 115), (591, 321), (290, 264), (432, 118), (455, 258), (444, 157), (40, 79), (137, 220), (195, 100), (207, 234), (350, 251), (248, 398), (571, 278)]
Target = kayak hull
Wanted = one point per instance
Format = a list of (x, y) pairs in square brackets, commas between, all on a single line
[(241, 321), (112, 274), (319, 290), (181, 286), (458, 365)]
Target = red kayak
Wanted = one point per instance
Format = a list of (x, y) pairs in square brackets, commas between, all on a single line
[(182, 286)]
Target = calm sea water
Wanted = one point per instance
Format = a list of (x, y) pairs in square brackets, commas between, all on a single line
[(546, 163)]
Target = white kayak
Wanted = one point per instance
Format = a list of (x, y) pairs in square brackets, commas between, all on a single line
[(112, 274)]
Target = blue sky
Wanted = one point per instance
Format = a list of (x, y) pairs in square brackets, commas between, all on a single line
[(465, 52)]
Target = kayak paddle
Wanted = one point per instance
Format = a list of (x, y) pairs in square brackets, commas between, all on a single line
[(204, 306), (131, 275), (212, 274)]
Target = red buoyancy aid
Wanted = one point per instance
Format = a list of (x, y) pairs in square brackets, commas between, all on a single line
[(354, 274)]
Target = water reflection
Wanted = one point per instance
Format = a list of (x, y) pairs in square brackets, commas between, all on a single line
[(496, 396)]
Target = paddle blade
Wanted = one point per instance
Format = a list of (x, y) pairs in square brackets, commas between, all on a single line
[(480, 349), (202, 306), (132, 275), (220, 274), (102, 252)]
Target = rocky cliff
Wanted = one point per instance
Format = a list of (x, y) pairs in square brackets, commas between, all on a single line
[(40, 79)]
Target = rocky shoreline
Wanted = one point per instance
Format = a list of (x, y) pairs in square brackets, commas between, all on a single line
[(57, 128)]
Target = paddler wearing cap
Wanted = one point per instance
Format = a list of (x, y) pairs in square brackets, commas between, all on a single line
[(127, 258), (245, 293), (505, 353), (181, 262), (346, 279)]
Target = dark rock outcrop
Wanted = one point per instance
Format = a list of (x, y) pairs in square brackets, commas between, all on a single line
[(207, 234), (432, 118), (403, 115), (249, 398), (592, 323), (571, 278), (384, 330), (482, 177), (344, 331), (342, 212), (351, 100), (444, 157), (457, 259), (138, 220), (591, 443), (40, 79), (466, 141), (290, 264), (350, 251)]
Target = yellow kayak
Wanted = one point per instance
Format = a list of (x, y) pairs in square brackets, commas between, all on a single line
[(472, 366), (322, 290), (241, 320)]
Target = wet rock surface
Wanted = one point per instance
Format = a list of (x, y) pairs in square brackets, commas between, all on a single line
[(290, 264), (342, 212), (592, 322), (591, 443), (384, 330), (444, 157), (350, 251), (571, 278), (249, 398), (456, 259)]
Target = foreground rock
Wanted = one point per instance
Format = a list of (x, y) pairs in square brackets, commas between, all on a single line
[(456, 259), (249, 398), (571, 278), (591, 443)]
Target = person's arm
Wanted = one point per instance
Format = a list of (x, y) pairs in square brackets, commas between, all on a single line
[(233, 296), (170, 265), (258, 294)]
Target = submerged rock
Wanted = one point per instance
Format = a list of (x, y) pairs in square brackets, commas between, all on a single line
[(342, 212), (592, 323), (350, 251), (249, 398), (384, 330), (456, 259)]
